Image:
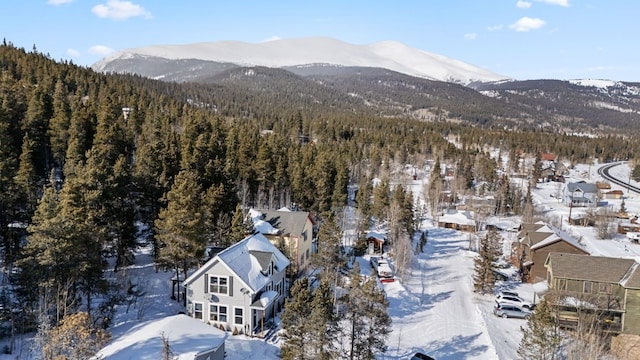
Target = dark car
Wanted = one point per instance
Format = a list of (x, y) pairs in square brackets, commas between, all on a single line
[(421, 356)]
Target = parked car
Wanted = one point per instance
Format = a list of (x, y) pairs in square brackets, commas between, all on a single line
[(511, 311), (421, 356), (513, 300), (508, 293), (382, 267)]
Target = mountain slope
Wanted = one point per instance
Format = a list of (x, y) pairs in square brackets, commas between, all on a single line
[(306, 51)]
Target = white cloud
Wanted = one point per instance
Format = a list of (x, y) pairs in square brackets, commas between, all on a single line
[(527, 24), (58, 2), (523, 4), (564, 3), (495, 27), (273, 38), (100, 50), (73, 53), (471, 36), (119, 10)]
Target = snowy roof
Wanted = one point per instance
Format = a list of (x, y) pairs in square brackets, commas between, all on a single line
[(287, 222), (248, 259), (376, 235), (259, 223), (559, 236), (265, 299), (187, 338), (460, 217)]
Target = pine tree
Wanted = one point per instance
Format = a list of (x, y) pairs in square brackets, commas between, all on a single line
[(295, 319), (623, 208), (541, 338), (484, 263), (58, 130), (528, 210), (329, 257), (381, 202), (241, 226), (368, 323), (323, 324), (180, 226)]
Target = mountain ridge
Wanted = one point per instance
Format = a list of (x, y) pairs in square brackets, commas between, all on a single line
[(386, 54)]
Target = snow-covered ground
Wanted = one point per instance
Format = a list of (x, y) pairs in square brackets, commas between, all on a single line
[(434, 309)]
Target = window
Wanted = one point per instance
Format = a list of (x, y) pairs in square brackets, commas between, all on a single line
[(197, 310), (218, 285), (307, 255), (238, 316), (562, 284), (217, 313), (586, 288), (604, 288)]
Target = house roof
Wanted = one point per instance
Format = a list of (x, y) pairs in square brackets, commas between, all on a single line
[(583, 186), (376, 235), (548, 157), (288, 222), (459, 217), (632, 278), (247, 259), (559, 236), (187, 337), (585, 267), (534, 233)]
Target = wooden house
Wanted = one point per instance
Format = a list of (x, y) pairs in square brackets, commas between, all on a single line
[(535, 242), (606, 287), (458, 220)]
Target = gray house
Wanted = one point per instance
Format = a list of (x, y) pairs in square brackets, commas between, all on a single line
[(241, 288), (580, 194)]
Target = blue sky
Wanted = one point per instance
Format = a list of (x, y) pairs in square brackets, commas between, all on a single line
[(522, 39)]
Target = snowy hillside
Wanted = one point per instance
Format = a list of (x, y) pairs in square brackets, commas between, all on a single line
[(316, 50)]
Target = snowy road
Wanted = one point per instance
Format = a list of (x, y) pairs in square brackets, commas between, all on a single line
[(435, 310)]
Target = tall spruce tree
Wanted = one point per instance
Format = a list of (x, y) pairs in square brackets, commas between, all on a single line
[(329, 256), (295, 323), (484, 264), (368, 323), (323, 324), (180, 226)]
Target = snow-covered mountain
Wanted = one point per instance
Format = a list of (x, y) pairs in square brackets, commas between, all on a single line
[(389, 55)]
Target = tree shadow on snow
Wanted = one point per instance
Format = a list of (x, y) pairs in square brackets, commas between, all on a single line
[(459, 347)]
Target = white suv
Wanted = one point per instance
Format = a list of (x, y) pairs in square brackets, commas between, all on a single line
[(513, 300)]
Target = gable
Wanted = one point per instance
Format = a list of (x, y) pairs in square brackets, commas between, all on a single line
[(246, 260)]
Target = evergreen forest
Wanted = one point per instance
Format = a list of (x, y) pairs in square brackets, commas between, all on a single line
[(93, 166)]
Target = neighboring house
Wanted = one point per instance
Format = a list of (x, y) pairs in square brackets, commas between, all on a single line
[(188, 339), (458, 220), (628, 226), (535, 242), (241, 288), (608, 287), (375, 242), (293, 231), (580, 194), (613, 194)]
